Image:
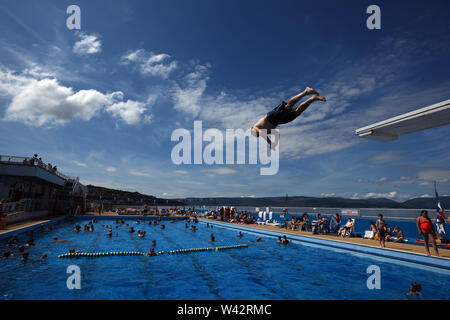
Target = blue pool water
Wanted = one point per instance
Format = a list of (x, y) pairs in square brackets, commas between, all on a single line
[(264, 270)]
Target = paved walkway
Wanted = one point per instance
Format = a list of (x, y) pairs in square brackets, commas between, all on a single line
[(24, 224), (404, 247)]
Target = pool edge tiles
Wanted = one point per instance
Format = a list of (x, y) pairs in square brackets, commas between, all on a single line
[(51, 221), (417, 258), (33, 226)]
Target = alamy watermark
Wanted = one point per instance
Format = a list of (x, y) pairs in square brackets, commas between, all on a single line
[(74, 280), (220, 142), (74, 20), (374, 280)]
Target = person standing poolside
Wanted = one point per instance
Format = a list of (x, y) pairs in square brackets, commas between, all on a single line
[(440, 221), (426, 229), (284, 113), (381, 228)]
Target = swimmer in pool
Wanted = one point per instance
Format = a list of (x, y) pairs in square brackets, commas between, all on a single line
[(25, 256), (212, 238), (44, 256), (151, 253), (141, 234), (283, 241), (55, 239), (163, 226), (77, 228), (131, 230), (193, 228), (240, 235), (6, 254), (109, 234), (153, 243), (186, 226), (414, 291), (284, 113)]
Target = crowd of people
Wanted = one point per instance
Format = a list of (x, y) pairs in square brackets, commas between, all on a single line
[(230, 214), (37, 161)]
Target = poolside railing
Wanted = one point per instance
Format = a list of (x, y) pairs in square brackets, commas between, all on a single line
[(35, 162)]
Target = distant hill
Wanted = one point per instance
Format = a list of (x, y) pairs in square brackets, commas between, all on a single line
[(114, 196), (428, 203), (335, 202), (127, 197)]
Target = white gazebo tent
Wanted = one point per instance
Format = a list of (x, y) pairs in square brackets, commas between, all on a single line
[(425, 118)]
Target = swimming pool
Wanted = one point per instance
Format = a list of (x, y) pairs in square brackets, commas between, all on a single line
[(264, 270)]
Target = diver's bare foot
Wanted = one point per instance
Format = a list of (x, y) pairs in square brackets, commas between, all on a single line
[(310, 90), (319, 97)]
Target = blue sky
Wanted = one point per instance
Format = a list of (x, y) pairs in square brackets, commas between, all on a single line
[(101, 103)]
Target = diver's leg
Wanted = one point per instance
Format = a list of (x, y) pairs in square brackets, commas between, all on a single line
[(305, 104), (293, 101)]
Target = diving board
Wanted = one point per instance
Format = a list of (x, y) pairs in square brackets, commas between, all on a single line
[(421, 119)]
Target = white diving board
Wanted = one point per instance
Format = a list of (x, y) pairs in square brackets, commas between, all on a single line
[(425, 118)]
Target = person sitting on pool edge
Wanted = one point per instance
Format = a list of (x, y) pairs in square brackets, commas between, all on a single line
[(397, 235)]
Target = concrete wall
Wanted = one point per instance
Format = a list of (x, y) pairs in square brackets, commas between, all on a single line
[(22, 216)]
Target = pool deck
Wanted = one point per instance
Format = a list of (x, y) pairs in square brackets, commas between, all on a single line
[(399, 247), (25, 224)]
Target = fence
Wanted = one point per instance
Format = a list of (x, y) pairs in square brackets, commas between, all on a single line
[(35, 162)]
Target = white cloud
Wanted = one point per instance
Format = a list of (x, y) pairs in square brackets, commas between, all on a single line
[(328, 195), (88, 44), (38, 99), (189, 182), (139, 173), (130, 111), (149, 63), (180, 172), (187, 97), (111, 169), (386, 157), (80, 164), (374, 195), (221, 170)]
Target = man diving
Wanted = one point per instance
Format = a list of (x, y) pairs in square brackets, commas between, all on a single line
[(284, 113)]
